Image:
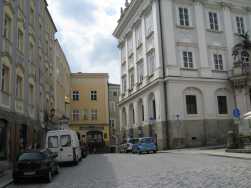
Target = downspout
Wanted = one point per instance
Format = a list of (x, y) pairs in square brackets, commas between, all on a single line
[(164, 75)]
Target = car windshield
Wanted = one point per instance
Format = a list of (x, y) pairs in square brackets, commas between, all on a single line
[(147, 140), (32, 156), (52, 142), (133, 141)]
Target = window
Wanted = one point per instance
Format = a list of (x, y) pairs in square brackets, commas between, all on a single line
[(222, 104), (148, 24), (19, 87), (213, 21), (154, 109), (86, 114), (191, 104), (140, 71), (75, 95), (138, 34), (151, 62), (130, 45), (124, 86), (20, 40), (31, 94), (218, 62), (115, 94), (131, 76), (93, 95), (75, 115), (240, 25), (112, 123), (65, 140), (5, 78), (188, 59), (184, 17), (7, 27), (94, 115), (52, 142)]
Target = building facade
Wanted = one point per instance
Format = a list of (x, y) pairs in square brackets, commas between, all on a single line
[(89, 108), (176, 65), (27, 74), (62, 86), (114, 93)]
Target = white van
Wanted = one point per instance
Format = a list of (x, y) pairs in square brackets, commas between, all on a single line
[(65, 143)]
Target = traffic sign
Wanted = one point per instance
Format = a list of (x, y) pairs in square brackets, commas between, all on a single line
[(236, 113)]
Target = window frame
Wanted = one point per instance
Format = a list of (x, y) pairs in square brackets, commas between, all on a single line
[(222, 110), (218, 61), (151, 62), (140, 71), (215, 25), (94, 114), (94, 95), (189, 59), (187, 22), (240, 30), (75, 95), (191, 109)]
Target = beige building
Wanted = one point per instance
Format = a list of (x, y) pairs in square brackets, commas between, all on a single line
[(62, 87), (89, 107)]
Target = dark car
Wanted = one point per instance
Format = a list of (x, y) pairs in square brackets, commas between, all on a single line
[(35, 164)]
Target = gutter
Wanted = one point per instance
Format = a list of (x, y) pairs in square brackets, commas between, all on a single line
[(164, 74)]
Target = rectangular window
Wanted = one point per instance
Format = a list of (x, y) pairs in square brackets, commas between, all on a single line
[(191, 104), (31, 94), (123, 54), (140, 71), (7, 27), (188, 59), (75, 95), (184, 16), (75, 115), (20, 40), (240, 25), (143, 114), (5, 78), (213, 21), (93, 95), (115, 94), (94, 115), (218, 62), (131, 74), (151, 62), (124, 86), (112, 123), (19, 87), (138, 34), (222, 104), (148, 24), (130, 45)]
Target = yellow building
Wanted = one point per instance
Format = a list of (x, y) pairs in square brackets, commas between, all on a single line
[(89, 107)]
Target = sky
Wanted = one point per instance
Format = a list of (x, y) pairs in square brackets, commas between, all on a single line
[(85, 30)]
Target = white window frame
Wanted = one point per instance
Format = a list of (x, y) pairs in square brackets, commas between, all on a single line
[(94, 95), (237, 29), (94, 115), (151, 62), (178, 18), (188, 51), (218, 21), (216, 61), (75, 93)]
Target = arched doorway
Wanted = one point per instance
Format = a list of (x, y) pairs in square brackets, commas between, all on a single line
[(3, 139), (95, 141)]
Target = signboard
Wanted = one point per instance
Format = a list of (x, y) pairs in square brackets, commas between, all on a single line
[(236, 113)]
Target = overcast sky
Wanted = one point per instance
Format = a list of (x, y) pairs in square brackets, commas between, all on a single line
[(85, 33)]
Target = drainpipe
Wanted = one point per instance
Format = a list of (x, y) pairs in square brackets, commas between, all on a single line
[(164, 74)]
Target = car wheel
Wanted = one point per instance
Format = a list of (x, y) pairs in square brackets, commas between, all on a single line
[(49, 176)]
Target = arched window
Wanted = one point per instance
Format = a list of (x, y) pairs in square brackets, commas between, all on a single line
[(193, 101)]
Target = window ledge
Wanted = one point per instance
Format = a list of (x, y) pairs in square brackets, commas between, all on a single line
[(214, 31), (219, 71), (188, 69), (184, 27)]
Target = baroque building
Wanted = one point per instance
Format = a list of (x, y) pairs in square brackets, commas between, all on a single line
[(27, 66), (176, 66), (90, 109)]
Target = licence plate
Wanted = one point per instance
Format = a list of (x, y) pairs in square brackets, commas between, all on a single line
[(29, 173)]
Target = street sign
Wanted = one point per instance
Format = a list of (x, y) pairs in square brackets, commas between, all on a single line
[(236, 113)]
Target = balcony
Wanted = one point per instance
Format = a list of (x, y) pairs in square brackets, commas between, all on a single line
[(7, 46), (19, 105)]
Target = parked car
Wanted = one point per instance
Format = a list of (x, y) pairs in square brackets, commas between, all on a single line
[(65, 144), (145, 145), (35, 164), (128, 145)]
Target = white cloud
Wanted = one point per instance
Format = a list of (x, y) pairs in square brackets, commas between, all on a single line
[(85, 33)]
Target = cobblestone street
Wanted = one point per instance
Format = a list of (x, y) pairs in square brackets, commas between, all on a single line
[(152, 170)]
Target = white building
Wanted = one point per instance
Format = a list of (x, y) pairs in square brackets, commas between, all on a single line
[(176, 64)]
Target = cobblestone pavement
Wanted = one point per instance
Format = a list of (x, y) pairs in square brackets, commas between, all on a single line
[(152, 171)]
